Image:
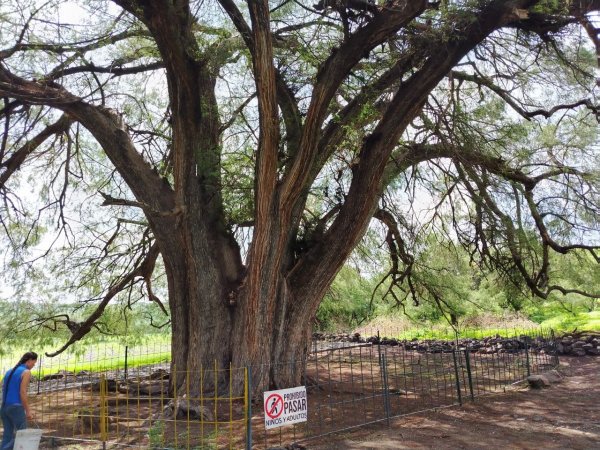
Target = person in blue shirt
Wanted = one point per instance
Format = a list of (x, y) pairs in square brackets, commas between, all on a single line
[(15, 409)]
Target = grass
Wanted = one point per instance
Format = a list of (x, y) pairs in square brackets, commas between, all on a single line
[(96, 356), (448, 333), (157, 439), (479, 326), (588, 321)]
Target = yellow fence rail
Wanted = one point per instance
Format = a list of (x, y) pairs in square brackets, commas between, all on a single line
[(204, 410)]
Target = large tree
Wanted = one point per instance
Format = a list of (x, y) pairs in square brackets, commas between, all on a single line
[(259, 139)]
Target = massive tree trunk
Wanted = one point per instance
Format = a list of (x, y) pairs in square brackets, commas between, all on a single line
[(261, 315)]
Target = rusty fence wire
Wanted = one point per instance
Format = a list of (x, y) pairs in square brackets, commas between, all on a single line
[(348, 385), (354, 384)]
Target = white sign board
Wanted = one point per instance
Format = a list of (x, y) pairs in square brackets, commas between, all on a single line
[(285, 407)]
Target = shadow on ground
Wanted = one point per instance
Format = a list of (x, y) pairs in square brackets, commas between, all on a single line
[(562, 416)]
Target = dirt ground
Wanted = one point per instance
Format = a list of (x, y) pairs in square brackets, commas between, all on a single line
[(562, 416)]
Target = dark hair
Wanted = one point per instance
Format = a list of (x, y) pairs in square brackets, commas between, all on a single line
[(26, 357)]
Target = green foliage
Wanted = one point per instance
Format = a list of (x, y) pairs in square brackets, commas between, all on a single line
[(582, 321), (156, 438), (446, 333), (551, 7), (348, 301), (465, 292), (23, 327), (156, 435)]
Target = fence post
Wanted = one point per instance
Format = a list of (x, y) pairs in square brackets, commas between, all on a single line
[(469, 376), (39, 377), (126, 354), (554, 346), (527, 356), (248, 408), (457, 378), (103, 417), (379, 348), (386, 391)]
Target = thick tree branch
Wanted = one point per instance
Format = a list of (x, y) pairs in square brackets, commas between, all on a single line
[(335, 130), (143, 269), (367, 179), (285, 97), (73, 47), (413, 154), (547, 113), (106, 126), (329, 77), (268, 139), (115, 70), (14, 163)]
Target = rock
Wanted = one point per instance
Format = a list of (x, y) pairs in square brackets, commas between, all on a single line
[(53, 376), (150, 388), (593, 351), (111, 385), (160, 374), (538, 381), (154, 388), (553, 376), (398, 392), (58, 375), (578, 352), (294, 446), (182, 408), (67, 373)]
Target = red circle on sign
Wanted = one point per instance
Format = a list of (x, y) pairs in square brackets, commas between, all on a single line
[(274, 406)]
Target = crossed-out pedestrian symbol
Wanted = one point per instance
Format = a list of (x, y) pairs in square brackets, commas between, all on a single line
[(274, 406)]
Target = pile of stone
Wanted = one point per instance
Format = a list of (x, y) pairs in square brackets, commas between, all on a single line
[(338, 337), (145, 381), (573, 344), (579, 344)]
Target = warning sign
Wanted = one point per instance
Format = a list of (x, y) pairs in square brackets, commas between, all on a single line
[(285, 407)]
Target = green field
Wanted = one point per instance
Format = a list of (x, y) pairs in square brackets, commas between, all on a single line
[(110, 353), (587, 321), (95, 356)]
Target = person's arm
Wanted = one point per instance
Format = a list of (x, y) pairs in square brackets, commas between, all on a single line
[(23, 392)]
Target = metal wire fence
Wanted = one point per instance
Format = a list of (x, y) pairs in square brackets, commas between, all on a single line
[(348, 385), (356, 384)]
